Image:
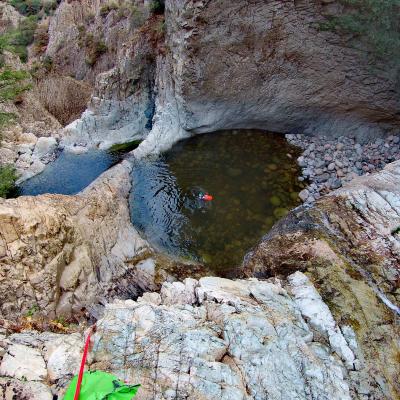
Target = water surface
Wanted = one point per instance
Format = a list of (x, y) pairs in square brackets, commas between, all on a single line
[(252, 176), (69, 173)]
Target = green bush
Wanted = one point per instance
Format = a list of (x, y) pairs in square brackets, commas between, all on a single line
[(6, 118), (136, 15), (376, 22), (25, 34), (106, 8), (18, 39), (94, 49), (8, 177), (35, 7), (27, 7), (49, 6), (13, 83), (157, 7)]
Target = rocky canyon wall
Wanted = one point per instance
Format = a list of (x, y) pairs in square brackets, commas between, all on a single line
[(114, 47), (267, 65)]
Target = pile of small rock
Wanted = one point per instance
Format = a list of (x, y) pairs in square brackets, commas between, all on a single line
[(328, 163)]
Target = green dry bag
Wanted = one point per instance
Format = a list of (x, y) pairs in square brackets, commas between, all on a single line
[(99, 385)]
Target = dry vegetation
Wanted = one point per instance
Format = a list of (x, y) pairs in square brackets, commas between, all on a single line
[(64, 97)]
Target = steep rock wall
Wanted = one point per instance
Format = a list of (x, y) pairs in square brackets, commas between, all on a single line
[(267, 65), (123, 73)]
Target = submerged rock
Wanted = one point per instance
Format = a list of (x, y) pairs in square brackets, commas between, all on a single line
[(209, 339)]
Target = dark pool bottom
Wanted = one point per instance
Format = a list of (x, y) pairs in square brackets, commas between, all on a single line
[(249, 174)]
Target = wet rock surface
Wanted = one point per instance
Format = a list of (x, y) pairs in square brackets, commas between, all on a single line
[(207, 339), (348, 244), (327, 164)]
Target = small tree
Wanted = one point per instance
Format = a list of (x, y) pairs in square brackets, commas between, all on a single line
[(8, 177)]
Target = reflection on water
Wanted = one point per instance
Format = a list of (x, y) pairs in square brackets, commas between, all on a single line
[(253, 182)]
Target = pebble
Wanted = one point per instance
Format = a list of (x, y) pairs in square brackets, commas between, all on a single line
[(328, 162), (324, 177), (304, 195), (336, 184), (302, 162), (339, 164)]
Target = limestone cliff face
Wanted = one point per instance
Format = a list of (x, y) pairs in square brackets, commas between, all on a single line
[(348, 243), (122, 105), (258, 64), (86, 36)]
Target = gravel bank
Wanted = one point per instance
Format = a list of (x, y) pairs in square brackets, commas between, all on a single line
[(328, 163)]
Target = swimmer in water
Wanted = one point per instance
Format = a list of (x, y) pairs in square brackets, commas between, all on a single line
[(205, 196), (198, 199)]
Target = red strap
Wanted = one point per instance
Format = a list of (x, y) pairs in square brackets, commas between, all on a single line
[(83, 362)]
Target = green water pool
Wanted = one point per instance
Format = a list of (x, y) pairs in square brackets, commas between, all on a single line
[(252, 176)]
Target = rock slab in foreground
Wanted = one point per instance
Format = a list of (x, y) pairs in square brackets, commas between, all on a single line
[(208, 339), (348, 243)]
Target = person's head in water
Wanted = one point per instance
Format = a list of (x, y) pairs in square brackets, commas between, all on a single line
[(206, 196)]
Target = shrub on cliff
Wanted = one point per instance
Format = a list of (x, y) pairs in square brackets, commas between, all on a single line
[(157, 7), (8, 177), (107, 8), (5, 119), (34, 7), (18, 39), (27, 7), (95, 47), (13, 83)]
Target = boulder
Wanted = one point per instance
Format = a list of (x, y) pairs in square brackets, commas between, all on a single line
[(61, 253), (45, 147)]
